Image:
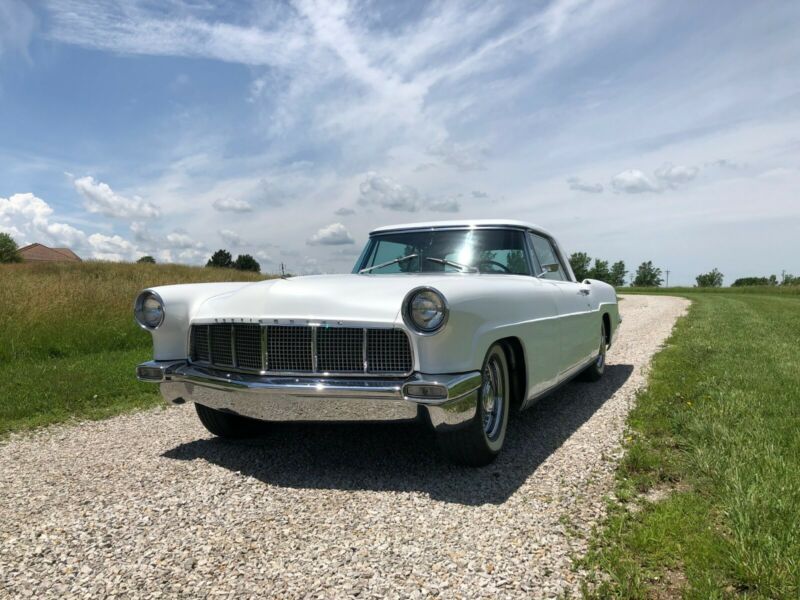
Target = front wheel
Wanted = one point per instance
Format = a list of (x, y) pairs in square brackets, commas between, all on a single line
[(228, 425), (595, 370), (480, 441)]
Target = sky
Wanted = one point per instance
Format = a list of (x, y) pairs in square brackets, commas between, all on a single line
[(660, 130)]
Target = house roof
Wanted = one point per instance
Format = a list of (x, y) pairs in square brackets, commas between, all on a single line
[(37, 252)]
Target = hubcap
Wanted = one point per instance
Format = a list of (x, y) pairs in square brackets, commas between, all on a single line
[(492, 394), (601, 357)]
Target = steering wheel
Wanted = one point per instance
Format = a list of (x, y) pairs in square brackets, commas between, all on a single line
[(494, 263)]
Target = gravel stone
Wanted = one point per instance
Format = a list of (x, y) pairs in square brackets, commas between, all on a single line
[(149, 505)]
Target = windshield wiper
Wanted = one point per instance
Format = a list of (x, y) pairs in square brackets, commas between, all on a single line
[(391, 262), (452, 263)]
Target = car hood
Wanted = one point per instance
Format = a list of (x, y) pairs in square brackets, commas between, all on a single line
[(353, 298)]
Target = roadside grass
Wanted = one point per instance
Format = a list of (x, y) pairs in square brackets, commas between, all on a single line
[(68, 342), (714, 442)]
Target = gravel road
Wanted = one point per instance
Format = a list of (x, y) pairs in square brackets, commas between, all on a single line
[(148, 504)]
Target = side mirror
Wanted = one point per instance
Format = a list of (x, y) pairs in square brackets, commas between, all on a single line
[(549, 268)]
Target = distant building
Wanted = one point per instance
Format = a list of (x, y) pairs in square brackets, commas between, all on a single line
[(40, 253)]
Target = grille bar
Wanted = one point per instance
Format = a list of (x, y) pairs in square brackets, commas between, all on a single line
[(301, 349)]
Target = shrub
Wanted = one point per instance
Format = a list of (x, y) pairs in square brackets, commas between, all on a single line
[(580, 263), (648, 276), (711, 279), (617, 275), (600, 270), (9, 252), (245, 262), (221, 258), (147, 260), (748, 281)]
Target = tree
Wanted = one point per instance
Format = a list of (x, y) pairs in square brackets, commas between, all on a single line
[(245, 262), (9, 252), (220, 258), (711, 279), (617, 275), (748, 281), (647, 275), (516, 262), (789, 279), (580, 263), (147, 260), (600, 270)]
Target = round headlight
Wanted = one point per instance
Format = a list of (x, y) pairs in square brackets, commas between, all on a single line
[(148, 310), (425, 310)]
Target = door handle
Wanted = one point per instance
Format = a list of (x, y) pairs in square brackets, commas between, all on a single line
[(584, 292)]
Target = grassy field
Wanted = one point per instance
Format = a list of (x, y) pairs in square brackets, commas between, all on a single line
[(709, 488), (69, 343)]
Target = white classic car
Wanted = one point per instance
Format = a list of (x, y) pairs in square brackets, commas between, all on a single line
[(456, 323)]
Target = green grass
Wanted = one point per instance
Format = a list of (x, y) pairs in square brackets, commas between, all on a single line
[(68, 342), (719, 428)]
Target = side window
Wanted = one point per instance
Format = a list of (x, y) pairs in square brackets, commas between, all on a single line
[(546, 255)]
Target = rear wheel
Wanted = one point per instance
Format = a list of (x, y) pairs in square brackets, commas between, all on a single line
[(480, 441), (595, 371), (228, 425)]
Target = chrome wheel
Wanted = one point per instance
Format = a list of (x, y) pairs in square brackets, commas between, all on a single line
[(601, 356), (493, 392)]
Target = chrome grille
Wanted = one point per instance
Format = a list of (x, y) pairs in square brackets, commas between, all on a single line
[(388, 351), (301, 349), (340, 349), (199, 343), (221, 347), (247, 342), (289, 348)]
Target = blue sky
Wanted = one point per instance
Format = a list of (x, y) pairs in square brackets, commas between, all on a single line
[(665, 131)]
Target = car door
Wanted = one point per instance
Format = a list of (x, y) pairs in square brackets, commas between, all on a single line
[(574, 306)]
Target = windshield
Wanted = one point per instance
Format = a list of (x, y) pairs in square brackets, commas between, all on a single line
[(496, 251)]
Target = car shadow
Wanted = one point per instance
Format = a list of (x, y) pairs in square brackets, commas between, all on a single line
[(404, 457)]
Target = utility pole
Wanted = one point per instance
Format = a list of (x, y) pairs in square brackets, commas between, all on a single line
[(667, 272), (283, 271)]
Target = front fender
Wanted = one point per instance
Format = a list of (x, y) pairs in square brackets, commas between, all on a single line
[(170, 340)]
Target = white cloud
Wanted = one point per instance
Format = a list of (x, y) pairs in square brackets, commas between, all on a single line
[(592, 188), (232, 205), (461, 157), (633, 181), (181, 240), (666, 177), (479, 194), (17, 24), (388, 193), (310, 266), (443, 205), (231, 237), (98, 197), (263, 256), (113, 248), (334, 234), (61, 234), (140, 232), (29, 217), (673, 176)]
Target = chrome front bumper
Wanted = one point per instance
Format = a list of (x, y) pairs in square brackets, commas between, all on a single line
[(450, 400)]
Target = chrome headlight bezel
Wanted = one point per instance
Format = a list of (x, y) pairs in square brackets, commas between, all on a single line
[(408, 311), (139, 310)]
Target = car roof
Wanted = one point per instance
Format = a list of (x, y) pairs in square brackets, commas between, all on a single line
[(457, 223)]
